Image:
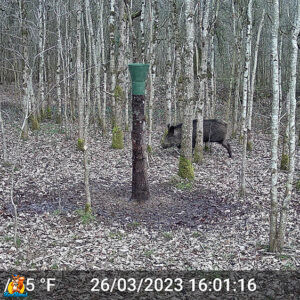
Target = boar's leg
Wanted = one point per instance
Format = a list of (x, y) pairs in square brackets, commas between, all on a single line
[(226, 145)]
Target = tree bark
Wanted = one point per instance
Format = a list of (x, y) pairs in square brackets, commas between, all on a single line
[(292, 133), (275, 128), (140, 185), (245, 100), (186, 169)]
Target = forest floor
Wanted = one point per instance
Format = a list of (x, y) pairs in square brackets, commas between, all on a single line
[(204, 225)]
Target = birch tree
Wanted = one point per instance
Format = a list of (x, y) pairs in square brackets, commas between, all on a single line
[(275, 127), (169, 77), (119, 94), (79, 71), (112, 63), (245, 99), (42, 37), (58, 64), (198, 152), (253, 76), (278, 227), (186, 169), (153, 11)]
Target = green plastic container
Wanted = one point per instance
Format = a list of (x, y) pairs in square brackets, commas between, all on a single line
[(138, 73)]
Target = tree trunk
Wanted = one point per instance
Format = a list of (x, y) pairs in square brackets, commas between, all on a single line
[(118, 133), (140, 185), (245, 100), (153, 42), (112, 63), (275, 128), (79, 76), (250, 102), (198, 152), (186, 169), (292, 133)]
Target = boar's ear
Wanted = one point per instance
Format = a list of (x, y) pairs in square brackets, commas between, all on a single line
[(171, 130), (169, 126)]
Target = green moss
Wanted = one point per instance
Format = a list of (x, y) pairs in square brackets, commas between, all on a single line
[(241, 139), (86, 217), (88, 209), (184, 185), (180, 79), (298, 185), (34, 123), (206, 148), (119, 93), (284, 164), (80, 144), (249, 146), (113, 121), (149, 149), (48, 113), (117, 138), (24, 134), (186, 169)]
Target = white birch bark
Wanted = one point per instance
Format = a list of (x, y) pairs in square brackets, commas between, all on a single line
[(42, 25), (152, 53), (112, 63), (234, 59), (178, 93), (275, 127), (169, 78), (79, 71), (95, 51), (198, 152), (292, 129), (245, 99), (3, 142), (58, 64), (143, 31), (104, 67), (185, 161), (250, 100), (118, 134)]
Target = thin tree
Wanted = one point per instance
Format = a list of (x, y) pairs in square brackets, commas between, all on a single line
[(203, 78), (275, 127), (253, 76), (278, 240), (79, 71), (186, 169), (119, 94), (112, 63), (245, 99)]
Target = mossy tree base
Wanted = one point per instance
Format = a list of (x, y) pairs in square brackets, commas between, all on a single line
[(284, 164), (88, 209), (34, 123), (249, 145), (298, 185), (117, 138), (186, 169), (48, 113), (80, 145), (149, 149)]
